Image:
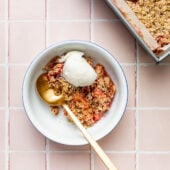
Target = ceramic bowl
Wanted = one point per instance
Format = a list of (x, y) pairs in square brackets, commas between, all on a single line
[(57, 128)]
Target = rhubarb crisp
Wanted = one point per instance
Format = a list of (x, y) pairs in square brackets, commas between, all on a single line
[(155, 15), (88, 103)]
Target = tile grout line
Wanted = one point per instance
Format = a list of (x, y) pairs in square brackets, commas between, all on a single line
[(88, 151), (18, 64), (6, 100), (92, 21), (62, 20), (112, 152), (122, 64), (47, 144), (7, 86), (137, 104)]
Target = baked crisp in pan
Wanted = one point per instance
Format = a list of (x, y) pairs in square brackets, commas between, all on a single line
[(149, 21), (155, 15)]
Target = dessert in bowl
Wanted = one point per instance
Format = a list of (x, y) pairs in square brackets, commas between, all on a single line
[(57, 127)]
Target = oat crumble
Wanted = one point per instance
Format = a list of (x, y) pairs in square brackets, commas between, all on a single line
[(155, 15), (88, 103)]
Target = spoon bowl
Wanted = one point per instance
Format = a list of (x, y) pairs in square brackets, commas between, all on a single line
[(47, 93)]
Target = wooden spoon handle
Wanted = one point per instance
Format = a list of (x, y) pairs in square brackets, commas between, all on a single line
[(102, 155)]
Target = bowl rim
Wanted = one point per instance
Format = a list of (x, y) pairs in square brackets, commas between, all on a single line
[(66, 42)]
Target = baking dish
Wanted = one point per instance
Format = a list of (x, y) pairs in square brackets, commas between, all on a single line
[(139, 30)]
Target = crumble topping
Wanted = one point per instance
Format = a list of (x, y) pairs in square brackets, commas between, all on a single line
[(155, 15)]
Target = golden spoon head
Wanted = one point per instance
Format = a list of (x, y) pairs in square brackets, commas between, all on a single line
[(47, 93)]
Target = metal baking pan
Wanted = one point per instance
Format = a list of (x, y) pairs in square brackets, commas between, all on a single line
[(138, 29)]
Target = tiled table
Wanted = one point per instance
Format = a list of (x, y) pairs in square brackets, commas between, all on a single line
[(142, 139)]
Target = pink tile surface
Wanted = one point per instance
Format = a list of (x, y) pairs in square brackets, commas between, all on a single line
[(26, 40), (16, 75), (123, 136), (74, 161), (3, 86), (60, 31), (2, 160), (130, 72), (144, 56), (68, 9), (121, 161), (2, 43), (152, 133), (23, 136), (102, 10), (141, 140), (27, 161), (154, 83), (2, 130), (154, 161), (27, 9), (114, 37), (2, 9), (59, 147)]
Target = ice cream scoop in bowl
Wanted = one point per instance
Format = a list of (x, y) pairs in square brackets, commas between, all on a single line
[(57, 128)]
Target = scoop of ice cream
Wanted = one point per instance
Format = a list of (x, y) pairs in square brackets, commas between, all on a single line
[(77, 70)]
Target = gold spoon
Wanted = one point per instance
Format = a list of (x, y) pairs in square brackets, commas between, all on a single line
[(48, 95)]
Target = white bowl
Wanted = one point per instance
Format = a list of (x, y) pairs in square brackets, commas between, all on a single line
[(57, 128)]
